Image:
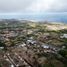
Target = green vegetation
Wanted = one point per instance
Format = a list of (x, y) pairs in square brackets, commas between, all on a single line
[(17, 34)]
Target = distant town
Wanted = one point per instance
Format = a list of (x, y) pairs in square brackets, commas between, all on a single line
[(26, 43)]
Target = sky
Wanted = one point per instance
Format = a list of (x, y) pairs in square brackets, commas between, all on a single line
[(33, 7)]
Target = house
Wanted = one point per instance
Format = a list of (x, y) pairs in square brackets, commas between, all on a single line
[(22, 45), (31, 42), (63, 36), (1, 47), (45, 46)]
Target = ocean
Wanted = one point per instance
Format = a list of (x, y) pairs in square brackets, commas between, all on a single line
[(51, 17)]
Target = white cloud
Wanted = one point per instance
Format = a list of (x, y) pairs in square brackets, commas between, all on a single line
[(48, 6), (32, 6), (40, 5), (14, 5)]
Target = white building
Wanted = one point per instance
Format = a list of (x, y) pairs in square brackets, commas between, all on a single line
[(45, 46), (63, 36), (22, 45), (31, 41), (1, 47)]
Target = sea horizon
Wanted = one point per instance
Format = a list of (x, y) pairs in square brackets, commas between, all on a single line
[(51, 17)]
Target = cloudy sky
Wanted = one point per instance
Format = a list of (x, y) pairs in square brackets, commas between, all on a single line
[(32, 6)]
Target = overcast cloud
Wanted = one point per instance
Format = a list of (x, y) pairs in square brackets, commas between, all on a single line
[(32, 6)]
